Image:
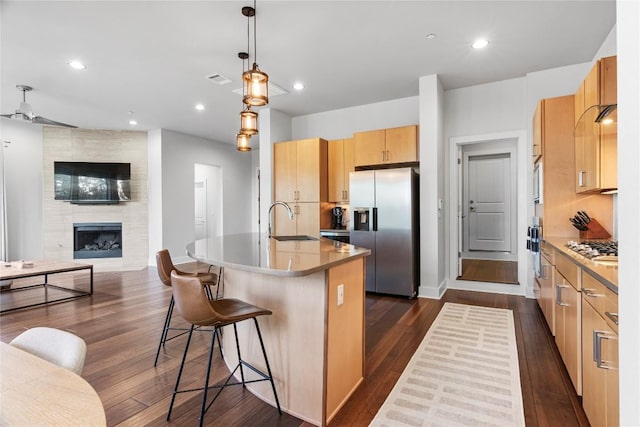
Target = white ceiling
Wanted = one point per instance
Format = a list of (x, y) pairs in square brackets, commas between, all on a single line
[(152, 57)]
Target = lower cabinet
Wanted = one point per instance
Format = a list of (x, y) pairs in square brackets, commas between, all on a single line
[(568, 336), (600, 377), (547, 295), (306, 220)]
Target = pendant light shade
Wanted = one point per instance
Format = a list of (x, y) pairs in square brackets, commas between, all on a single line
[(256, 87), (248, 122), (242, 142)]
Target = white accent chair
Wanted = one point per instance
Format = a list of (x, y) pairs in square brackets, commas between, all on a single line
[(58, 347)]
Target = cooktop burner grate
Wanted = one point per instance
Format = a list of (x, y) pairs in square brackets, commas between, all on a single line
[(594, 248)]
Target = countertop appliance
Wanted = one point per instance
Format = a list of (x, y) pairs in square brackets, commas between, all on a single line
[(534, 235), (384, 219), (336, 218), (595, 249)]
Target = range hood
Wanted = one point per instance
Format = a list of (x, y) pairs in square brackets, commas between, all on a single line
[(597, 117)]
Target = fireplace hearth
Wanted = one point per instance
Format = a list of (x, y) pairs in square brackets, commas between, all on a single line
[(97, 240)]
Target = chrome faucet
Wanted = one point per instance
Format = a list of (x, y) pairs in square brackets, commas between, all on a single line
[(277, 202)]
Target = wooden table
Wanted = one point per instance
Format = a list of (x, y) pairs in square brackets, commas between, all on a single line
[(43, 268), (35, 392)]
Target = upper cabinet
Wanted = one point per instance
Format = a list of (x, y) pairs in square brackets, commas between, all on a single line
[(300, 179), (300, 170), (341, 162), (596, 129), (384, 146)]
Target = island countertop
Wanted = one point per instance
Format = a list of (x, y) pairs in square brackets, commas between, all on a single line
[(257, 253)]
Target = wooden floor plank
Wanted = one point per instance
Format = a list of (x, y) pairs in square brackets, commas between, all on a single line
[(122, 322), (496, 271)]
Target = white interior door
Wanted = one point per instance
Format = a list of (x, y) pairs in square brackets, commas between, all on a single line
[(488, 202), (208, 201), (200, 217)]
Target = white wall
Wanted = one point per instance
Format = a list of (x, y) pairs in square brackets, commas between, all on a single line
[(180, 153), (23, 174), (432, 232), (275, 126), (154, 188), (343, 123), (628, 36)]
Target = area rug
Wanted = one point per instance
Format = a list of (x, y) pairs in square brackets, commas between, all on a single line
[(464, 373)]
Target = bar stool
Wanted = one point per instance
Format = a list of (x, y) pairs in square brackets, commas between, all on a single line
[(165, 267), (193, 305), (58, 347)]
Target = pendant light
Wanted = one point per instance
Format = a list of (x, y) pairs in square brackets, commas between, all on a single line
[(248, 118), (242, 142), (255, 81)]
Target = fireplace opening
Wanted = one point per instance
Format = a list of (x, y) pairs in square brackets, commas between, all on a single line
[(97, 240)]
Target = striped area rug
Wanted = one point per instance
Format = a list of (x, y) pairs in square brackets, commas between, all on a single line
[(464, 373)]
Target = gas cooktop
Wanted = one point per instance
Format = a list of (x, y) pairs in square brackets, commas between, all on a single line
[(594, 248)]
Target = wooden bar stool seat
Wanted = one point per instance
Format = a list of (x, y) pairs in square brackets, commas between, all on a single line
[(165, 267), (196, 308)]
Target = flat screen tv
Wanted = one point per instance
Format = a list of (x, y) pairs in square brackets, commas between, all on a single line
[(92, 183)]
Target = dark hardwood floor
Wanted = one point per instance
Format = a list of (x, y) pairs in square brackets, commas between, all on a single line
[(122, 322), (487, 270)]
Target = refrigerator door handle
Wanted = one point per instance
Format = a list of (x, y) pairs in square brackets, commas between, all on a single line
[(375, 219)]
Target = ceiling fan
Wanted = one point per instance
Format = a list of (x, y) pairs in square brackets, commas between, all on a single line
[(26, 114)]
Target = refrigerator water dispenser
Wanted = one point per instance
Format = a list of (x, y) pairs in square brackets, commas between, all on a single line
[(361, 219)]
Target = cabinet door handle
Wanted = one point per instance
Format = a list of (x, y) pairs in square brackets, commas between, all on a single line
[(581, 179), (612, 316), (388, 156), (598, 336), (383, 155), (559, 295), (590, 293)]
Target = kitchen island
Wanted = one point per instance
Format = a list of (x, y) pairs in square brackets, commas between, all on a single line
[(315, 337)]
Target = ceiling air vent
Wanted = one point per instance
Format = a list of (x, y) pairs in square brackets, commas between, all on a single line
[(219, 79)]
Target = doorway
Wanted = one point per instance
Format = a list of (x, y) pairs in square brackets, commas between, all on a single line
[(487, 213), (207, 195), (488, 203)]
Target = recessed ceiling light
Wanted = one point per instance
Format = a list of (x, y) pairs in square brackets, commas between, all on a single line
[(480, 43), (77, 65), (133, 122), (431, 36), (298, 86), (199, 107)]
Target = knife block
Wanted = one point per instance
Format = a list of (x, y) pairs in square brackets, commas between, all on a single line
[(595, 231)]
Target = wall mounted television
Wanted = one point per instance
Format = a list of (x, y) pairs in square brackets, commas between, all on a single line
[(92, 183)]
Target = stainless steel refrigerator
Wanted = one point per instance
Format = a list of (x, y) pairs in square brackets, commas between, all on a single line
[(384, 218)]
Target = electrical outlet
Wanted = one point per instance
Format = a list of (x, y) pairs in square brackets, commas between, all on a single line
[(340, 294)]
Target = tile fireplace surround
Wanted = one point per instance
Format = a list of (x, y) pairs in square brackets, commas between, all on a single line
[(87, 145)]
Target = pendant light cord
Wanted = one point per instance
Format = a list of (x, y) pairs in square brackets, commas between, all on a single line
[(255, 37)]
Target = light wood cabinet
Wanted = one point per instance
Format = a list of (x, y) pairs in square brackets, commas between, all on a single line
[(341, 163), (568, 318), (596, 143), (384, 146), (300, 180), (555, 132), (600, 375), (300, 170), (306, 220), (547, 294)]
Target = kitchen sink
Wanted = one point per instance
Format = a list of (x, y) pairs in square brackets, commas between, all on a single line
[(288, 238)]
